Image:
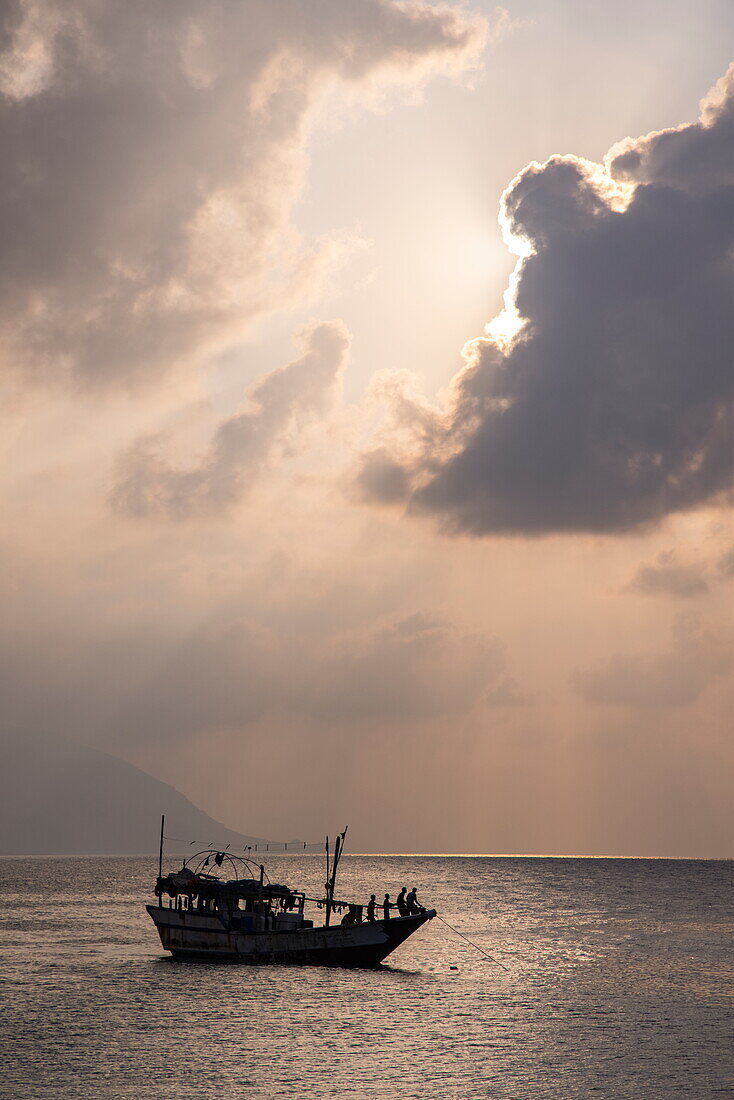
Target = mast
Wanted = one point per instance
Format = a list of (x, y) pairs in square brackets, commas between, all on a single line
[(331, 883), (160, 849), (326, 884)]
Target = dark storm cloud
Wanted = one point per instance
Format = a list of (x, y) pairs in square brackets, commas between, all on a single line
[(614, 404), (670, 679), (667, 576), (688, 157), (287, 398), (150, 153)]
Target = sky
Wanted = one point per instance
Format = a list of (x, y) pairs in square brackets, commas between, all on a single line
[(367, 412)]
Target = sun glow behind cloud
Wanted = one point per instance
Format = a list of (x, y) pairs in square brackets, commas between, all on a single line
[(616, 194)]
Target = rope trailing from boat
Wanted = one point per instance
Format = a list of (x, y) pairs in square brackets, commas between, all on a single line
[(475, 945)]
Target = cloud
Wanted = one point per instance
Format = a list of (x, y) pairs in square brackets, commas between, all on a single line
[(419, 667), (673, 678), (612, 403), (286, 399), (507, 693), (689, 157), (502, 24), (725, 564), (152, 153), (666, 576), (142, 677)]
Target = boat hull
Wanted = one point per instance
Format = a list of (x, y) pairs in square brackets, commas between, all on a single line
[(194, 936)]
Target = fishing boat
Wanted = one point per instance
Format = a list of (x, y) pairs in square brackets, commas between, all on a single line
[(202, 914)]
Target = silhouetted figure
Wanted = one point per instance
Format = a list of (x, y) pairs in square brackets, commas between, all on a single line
[(402, 903), (371, 909), (412, 901), (386, 906), (350, 917)]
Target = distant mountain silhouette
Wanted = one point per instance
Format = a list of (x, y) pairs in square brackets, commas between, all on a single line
[(60, 798)]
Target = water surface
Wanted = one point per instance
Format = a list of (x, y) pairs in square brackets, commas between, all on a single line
[(619, 983)]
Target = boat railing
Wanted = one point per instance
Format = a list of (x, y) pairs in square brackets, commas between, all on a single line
[(219, 894), (194, 886)]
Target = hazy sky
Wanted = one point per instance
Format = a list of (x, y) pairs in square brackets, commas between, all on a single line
[(368, 419)]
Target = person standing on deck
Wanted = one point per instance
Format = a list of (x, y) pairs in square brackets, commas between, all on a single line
[(402, 903), (371, 909), (386, 907), (412, 902)]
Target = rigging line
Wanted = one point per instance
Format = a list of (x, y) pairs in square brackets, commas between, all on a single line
[(476, 945), (250, 847)]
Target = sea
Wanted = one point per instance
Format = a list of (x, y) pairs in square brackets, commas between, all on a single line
[(585, 978)]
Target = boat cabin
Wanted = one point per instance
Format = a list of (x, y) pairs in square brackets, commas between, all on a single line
[(241, 904)]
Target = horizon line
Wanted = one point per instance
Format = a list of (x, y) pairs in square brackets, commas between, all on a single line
[(384, 855)]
